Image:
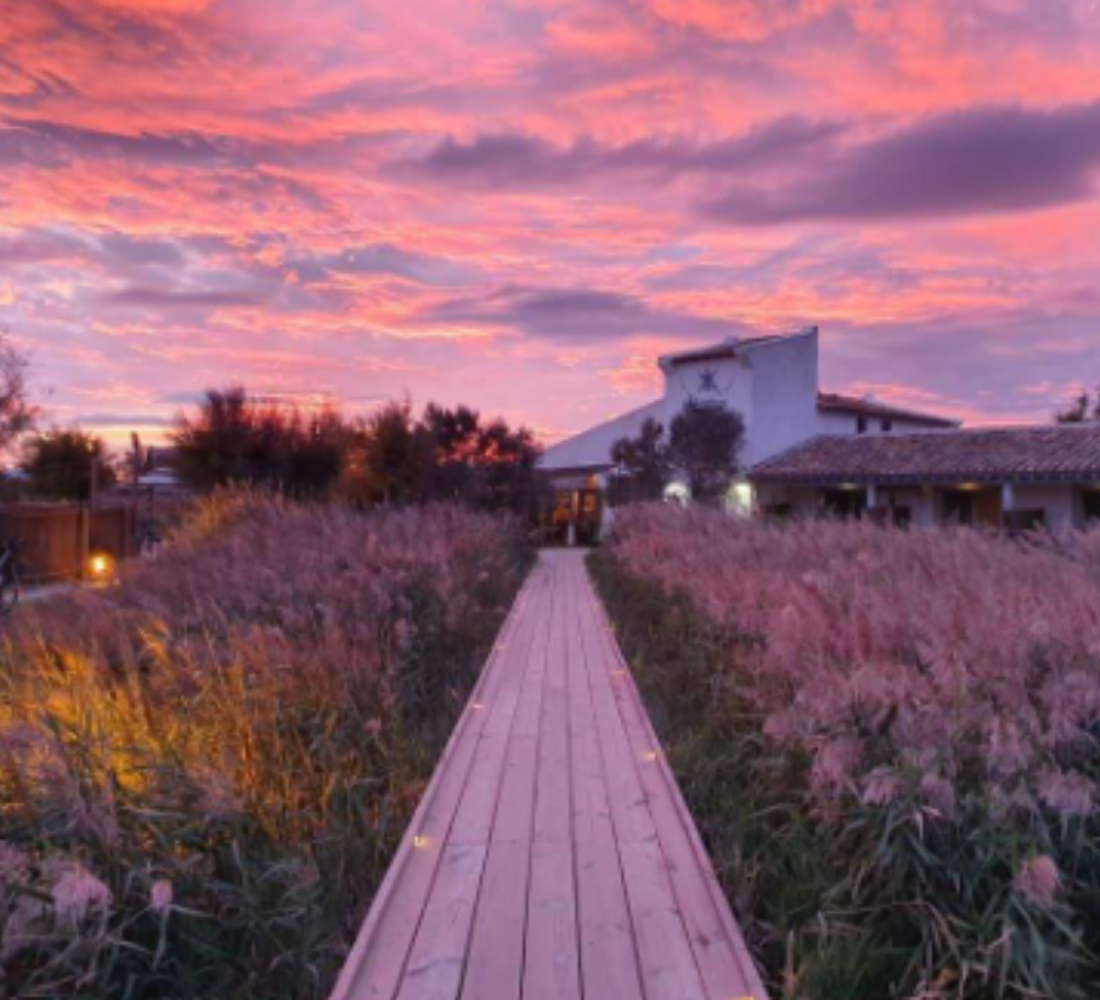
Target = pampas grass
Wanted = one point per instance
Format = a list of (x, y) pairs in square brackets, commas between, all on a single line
[(890, 739), (204, 772)]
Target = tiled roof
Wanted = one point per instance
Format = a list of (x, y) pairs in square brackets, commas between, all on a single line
[(1017, 454), (728, 348), (838, 403)]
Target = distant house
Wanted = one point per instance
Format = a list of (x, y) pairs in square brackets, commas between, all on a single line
[(159, 476), (809, 452)]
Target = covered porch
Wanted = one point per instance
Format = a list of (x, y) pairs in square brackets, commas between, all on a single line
[(1008, 505), (1017, 478), (579, 508)]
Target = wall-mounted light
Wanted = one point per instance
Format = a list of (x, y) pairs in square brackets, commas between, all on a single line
[(101, 567), (740, 498), (677, 493)]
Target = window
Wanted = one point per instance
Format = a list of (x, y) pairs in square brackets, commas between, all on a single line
[(861, 425), (1091, 505), (887, 425)]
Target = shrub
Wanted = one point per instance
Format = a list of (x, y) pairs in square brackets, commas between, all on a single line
[(889, 738), (204, 772)]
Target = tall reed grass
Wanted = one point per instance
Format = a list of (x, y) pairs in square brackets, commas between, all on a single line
[(890, 740), (204, 771)]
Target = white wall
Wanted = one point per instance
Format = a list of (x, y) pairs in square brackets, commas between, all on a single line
[(839, 422), (921, 503), (784, 395), (1059, 503), (772, 385), (684, 384)]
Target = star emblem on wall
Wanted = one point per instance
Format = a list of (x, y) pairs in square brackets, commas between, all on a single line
[(708, 380)]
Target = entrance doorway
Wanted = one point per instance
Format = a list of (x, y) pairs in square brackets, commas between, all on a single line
[(575, 519), (846, 505), (973, 507), (1090, 507)]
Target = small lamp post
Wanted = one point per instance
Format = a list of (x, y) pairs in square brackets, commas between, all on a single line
[(86, 527)]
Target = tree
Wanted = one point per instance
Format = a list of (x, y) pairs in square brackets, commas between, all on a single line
[(17, 415), (485, 464), (456, 444), (235, 440), (59, 464), (1082, 410), (509, 463), (642, 467), (704, 444), (212, 447), (396, 455)]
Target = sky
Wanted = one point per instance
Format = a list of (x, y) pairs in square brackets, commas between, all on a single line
[(520, 204)]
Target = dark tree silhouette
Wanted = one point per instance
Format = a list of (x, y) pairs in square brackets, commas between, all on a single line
[(17, 415), (705, 444), (396, 456), (234, 440), (59, 464), (486, 464), (642, 466), (1082, 410)]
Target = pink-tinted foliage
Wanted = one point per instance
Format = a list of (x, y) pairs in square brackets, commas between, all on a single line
[(948, 662), (203, 771)]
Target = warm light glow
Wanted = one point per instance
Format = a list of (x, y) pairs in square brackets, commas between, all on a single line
[(651, 755), (677, 493), (420, 841), (100, 566), (477, 706), (739, 499)]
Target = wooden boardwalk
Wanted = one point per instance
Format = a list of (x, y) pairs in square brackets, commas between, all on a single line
[(552, 857)]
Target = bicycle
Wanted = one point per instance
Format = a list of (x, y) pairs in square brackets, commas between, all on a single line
[(11, 575)]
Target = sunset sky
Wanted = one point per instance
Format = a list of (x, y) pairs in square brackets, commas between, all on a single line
[(521, 203)]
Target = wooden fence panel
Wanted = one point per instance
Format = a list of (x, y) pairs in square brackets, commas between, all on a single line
[(53, 537)]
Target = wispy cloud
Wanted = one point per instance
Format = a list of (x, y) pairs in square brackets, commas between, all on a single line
[(576, 315), (524, 202), (524, 161), (979, 161)]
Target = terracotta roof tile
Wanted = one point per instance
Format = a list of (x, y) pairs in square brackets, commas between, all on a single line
[(872, 407), (1069, 453)]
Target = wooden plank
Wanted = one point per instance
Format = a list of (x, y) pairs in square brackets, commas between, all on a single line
[(552, 855), (669, 970), (495, 963), (438, 956), (446, 929), (553, 803), (473, 824), (632, 819), (495, 967), (552, 967), (609, 961), (724, 962), (377, 960)]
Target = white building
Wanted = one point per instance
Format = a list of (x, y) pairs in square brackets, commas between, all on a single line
[(807, 452)]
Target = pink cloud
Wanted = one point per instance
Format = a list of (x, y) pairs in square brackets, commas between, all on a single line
[(523, 204)]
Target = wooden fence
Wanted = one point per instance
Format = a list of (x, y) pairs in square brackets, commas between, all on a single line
[(57, 539)]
